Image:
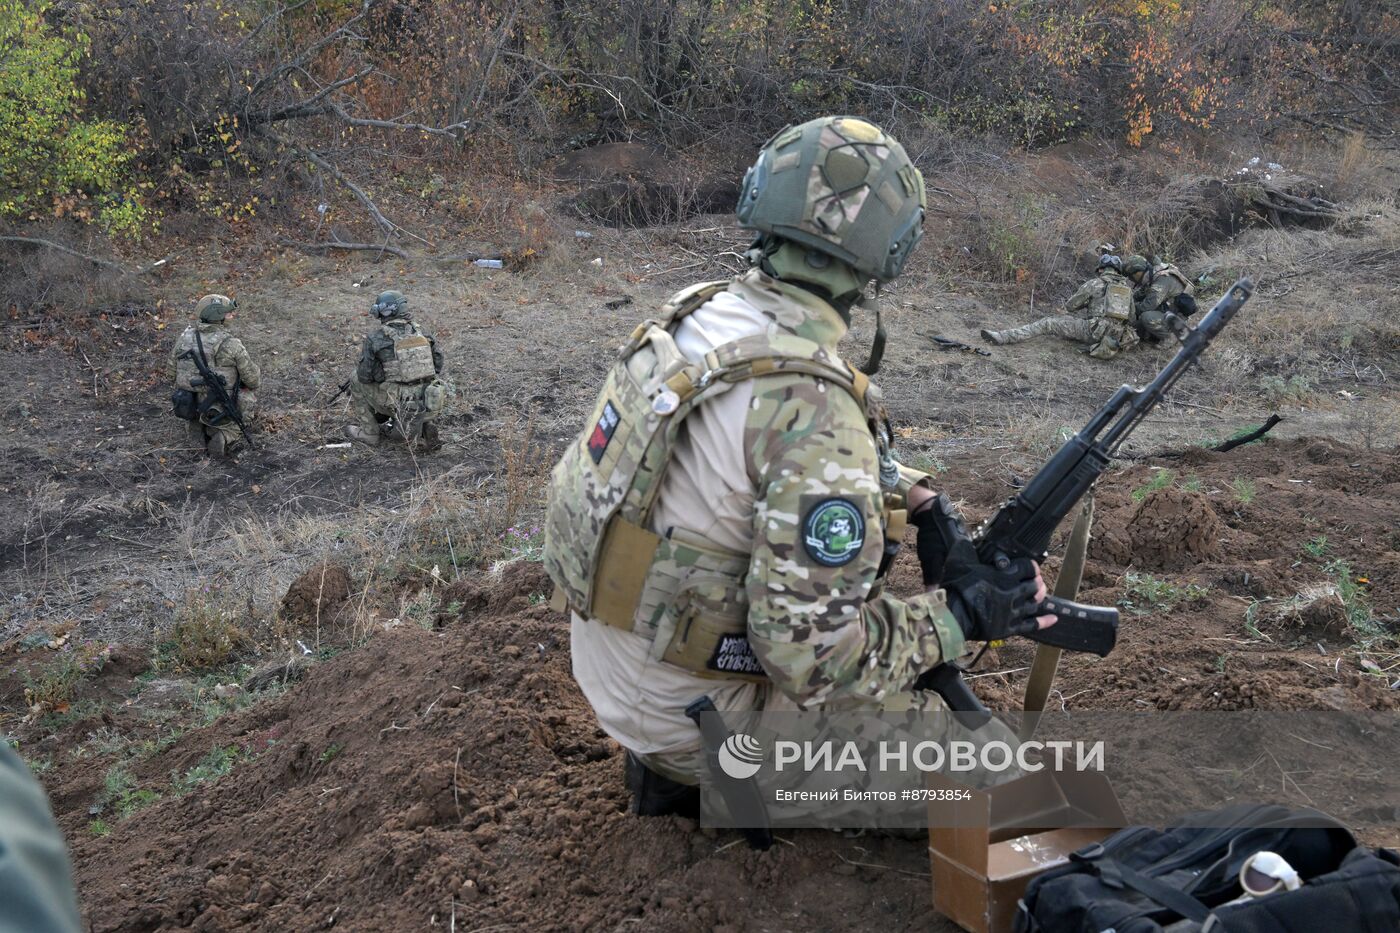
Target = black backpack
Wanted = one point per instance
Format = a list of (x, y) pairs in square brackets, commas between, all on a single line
[(1142, 880)]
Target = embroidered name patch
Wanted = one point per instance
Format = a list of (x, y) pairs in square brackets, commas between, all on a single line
[(602, 433), (734, 655), (833, 532)]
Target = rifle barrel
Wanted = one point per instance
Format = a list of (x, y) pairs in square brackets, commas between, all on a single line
[(1193, 345)]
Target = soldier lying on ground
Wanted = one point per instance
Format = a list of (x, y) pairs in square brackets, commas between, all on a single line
[(1099, 315), (740, 554), (208, 345), (396, 385)]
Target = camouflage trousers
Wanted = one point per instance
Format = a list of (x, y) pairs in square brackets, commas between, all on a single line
[(1105, 338), (1153, 325), (213, 421), (377, 404)]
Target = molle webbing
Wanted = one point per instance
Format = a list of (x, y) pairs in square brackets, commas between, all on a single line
[(685, 595), (748, 358)]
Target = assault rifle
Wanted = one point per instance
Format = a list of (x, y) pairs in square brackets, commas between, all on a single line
[(217, 389), (1022, 527), (344, 387)]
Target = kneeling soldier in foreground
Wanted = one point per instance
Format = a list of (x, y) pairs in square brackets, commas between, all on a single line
[(722, 527)]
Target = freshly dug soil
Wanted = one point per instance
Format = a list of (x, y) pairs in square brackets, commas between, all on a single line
[(458, 770), (317, 595), (455, 778)]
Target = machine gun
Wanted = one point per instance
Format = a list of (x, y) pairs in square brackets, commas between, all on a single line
[(218, 391), (1022, 527)]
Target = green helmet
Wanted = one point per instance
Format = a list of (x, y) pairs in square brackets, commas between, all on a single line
[(214, 308), (389, 304), (839, 186), (1135, 266)]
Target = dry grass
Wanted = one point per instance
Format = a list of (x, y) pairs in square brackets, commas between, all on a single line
[(207, 631)]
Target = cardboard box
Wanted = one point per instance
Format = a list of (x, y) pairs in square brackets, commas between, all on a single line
[(984, 851)]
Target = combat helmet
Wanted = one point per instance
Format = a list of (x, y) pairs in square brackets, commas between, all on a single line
[(212, 309), (1110, 261), (389, 304), (841, 187), (1136, 265)]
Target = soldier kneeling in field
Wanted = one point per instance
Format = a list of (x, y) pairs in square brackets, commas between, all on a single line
[(1160, 290), (720, 529), (396, 386), (214, 379), (1099, 315)]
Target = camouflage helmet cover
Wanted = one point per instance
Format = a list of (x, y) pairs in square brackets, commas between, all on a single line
[(1136, 265), (840, 186), (214, 308), (389, 303), (1110, 261)]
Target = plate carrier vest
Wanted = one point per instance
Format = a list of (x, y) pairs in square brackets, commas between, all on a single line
[(688, 597), (413, 353), (1118, 297), (1167, 268)]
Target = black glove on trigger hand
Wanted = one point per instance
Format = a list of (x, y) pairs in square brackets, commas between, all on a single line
[(940, 528), (990, 604)]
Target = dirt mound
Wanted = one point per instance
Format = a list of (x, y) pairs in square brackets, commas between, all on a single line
[(1201, 210), (452, 777), (455, 776), (1317, 613), (1172, 529), (317, 594)]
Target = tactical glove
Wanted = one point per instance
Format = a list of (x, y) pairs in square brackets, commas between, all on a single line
[(940, 527), (992, 604), (989, 604)]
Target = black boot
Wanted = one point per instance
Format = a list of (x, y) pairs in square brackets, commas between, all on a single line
[(655, 795)]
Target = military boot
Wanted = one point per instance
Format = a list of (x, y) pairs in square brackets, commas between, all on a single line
[(993, 337), (428, 437), (195, 432), (360, 435), (656, 795), (218, 446)]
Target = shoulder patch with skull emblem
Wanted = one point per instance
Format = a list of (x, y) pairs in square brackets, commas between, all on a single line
[(833, 531)]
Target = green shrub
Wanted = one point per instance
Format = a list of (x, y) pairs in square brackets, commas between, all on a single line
[(219, 762), (53, 162), (1160, 480), (52, 685)]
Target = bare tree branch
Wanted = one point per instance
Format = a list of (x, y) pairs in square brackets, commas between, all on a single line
[(50, 244), (325, 165), (340, 244)]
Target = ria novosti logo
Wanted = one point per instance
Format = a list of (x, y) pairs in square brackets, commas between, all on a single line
[(741, 756)]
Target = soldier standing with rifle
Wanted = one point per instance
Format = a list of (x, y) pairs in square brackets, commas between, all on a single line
[(215, 378)]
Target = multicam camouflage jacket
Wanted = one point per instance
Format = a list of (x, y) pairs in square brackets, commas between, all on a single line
[(226, 355), (802, 605), (1166, 283)]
